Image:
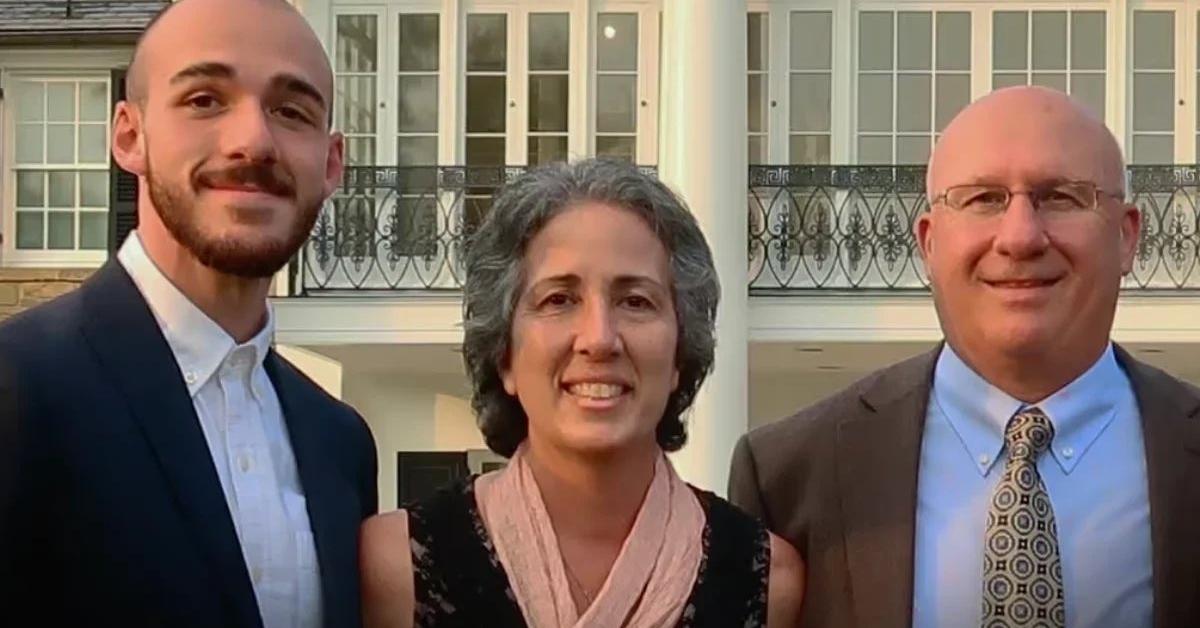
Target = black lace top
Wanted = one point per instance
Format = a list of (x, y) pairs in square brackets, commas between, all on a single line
[(460, 583)]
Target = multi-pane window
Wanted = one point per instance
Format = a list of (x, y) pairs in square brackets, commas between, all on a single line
[(1063, 50), (1153, 87), (486, 83), (914, 75), (61, 163), (810, 87), (417, 90), (616, 85), (356, 65), (549, 80), (757, 62)]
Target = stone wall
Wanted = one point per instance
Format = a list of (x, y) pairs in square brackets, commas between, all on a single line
[(23, 288)]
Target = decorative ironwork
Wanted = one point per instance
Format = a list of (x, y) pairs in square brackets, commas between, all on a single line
[(850, 228), (398, 228), (810, 228)]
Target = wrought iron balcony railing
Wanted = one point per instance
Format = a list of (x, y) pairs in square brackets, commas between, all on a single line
[(811, 228)]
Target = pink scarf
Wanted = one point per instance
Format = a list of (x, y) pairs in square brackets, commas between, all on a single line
[(651, 579)]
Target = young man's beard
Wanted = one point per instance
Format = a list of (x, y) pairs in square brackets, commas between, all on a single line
[(252, 260)]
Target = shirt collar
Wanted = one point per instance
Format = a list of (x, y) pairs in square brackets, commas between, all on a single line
[(199, 344), (978, 412)]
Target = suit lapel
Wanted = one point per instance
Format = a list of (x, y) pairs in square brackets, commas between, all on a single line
[(1171, 431), (333, 509), (878, 454), (128, 344)]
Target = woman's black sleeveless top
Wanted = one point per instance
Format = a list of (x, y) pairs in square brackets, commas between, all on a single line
[(460, 583)]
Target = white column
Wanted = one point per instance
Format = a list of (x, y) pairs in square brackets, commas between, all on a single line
[(703, 157)]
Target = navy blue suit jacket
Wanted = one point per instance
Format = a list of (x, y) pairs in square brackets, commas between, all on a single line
[(111, 511)]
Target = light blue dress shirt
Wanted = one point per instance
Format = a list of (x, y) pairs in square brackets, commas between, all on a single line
[(1096, 478)]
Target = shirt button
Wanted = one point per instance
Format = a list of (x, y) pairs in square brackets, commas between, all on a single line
[(1067, 452), (245, 463), (189, 377), (984, 459), (256, 574)]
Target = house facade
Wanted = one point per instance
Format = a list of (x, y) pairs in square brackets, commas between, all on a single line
[(795, 129)]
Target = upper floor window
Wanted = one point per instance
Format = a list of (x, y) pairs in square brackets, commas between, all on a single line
[(60, 168)]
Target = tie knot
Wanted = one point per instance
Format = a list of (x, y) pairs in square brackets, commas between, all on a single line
[(1028, 434)]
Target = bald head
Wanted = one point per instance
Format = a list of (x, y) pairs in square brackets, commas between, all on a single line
[(1023, 132), (188, 19)]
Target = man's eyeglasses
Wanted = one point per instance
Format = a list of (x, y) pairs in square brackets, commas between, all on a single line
[(1063, 198)]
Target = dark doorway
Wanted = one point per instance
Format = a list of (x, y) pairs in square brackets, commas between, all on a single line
[(421, 473)]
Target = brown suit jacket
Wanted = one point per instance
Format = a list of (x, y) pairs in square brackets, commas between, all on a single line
[(839, 480)]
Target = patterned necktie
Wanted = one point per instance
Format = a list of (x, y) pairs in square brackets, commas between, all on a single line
[(1022, 573)]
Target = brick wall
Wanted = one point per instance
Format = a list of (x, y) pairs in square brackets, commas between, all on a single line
[(23, 288)]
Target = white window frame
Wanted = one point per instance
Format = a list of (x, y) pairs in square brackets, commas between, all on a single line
[(91, 64)]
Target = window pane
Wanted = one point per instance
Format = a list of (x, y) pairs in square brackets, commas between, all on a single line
[(757, 149), (30, 227), (812, 40), (487, 42), (485, 104), (1153, 40), (418, 43), (874, 102), (616, 106), (417, 105), (954, 41), (1000, 81), (60, 102), (1009, 43), (93, 231), (913, 102), (29, 143), (757, 97), (1089, 90), (93, 144), (549, 41), (31, 101), (810, 102), (1153, 102), (875, 40), (953, 93), (93, 102), (31, 188), (543, 150), (756, 38), (360, 151), (1052, 80), (616, 42), (93, 189), (1087, 40), (1049, 40), (62, 230), (1153, 149), (912, 150), (356, 42), (61, 189), (355, 104), (416, 151), (548, 102), (60, 143), (808, 149), (621, 147), (485, 151), (874, 150), (914, 31)]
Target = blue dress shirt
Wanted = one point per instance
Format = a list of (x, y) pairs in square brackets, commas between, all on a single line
[(1096, 479)]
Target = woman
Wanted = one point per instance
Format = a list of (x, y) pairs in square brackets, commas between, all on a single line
[(588, 312)]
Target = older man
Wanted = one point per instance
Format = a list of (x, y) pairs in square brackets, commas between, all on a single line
[(1028, 472), (160, 464)]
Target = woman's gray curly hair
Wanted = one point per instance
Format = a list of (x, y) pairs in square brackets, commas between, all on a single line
[(495, 278)]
